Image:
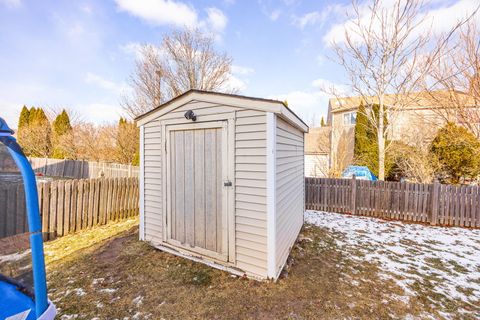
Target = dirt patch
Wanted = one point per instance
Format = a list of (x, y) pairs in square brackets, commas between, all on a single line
[(108, 253)]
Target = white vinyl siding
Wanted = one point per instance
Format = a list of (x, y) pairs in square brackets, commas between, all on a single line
[(153, 182), (289, 188), (250, 197), (250, 180)]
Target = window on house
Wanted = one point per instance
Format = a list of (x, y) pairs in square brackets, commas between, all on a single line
[(349, 118)]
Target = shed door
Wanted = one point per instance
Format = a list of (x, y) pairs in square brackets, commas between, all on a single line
[(197, 172)]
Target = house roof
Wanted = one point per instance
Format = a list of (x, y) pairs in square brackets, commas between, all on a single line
[(414, 100), (199, 94), (317, 140)]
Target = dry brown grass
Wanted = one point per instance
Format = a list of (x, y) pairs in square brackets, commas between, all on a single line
[(124, 277)]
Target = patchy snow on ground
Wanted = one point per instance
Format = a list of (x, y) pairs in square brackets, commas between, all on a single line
[(108, 290), (443, 261), (14, 256), (138, 301)]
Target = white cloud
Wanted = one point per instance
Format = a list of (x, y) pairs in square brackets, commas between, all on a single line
[(175, 13), (235, 83), (98, 108), (132, 48), (310, 18), (216, 19), (444, 18), (325, 85), (290, 2), (319, 18), (10, 112), (275, 14), (100, 112), (439, 19), (239, 78), (11, 3), (99, 81), (307, 104), (161, 12), (242, 70), (86, 8), (75, 31), (311, 103)]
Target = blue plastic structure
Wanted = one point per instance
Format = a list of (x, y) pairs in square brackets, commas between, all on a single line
[(13, 299), (360, 172)]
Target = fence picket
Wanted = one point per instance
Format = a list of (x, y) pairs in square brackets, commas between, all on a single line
[(426, 203), (53, 210), (67, 212), (86, 193), (476, 210), (73, 205), (79, 209), (67, 206), (91, 203), (21, 222), (45, 208), (60, 208)]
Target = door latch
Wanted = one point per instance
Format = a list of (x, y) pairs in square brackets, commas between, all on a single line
[(227, 183)]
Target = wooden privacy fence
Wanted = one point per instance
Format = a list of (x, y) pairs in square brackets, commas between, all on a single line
[(437, 204), (13, 218), (68, 206), (79, 169)]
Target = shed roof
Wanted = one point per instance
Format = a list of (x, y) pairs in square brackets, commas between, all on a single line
[(268, 105)]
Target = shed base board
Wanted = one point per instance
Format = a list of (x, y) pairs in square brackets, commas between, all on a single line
[(217, 265)]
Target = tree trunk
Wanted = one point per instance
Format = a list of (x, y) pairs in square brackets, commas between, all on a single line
[(381, 141), (381, 157)]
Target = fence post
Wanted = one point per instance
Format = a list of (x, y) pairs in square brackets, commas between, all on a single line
[(353, 200), (435, 199)]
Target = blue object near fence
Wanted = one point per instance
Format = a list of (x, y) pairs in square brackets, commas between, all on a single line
[(360, 172)]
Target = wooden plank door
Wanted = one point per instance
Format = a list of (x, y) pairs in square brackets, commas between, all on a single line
[(196, 172)]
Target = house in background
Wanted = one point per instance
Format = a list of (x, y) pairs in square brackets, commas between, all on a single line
[(222, 181), (415, 124), (317, 152)]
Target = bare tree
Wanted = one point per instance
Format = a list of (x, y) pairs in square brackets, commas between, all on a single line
[(454, 81), (90, 142), (36, 140), (386, 54), (416, 164), (343, 153), (185, 60)]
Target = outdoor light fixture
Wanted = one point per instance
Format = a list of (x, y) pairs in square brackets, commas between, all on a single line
[(189, 115)]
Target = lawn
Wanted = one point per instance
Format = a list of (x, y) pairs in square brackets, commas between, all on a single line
[(342, 267)]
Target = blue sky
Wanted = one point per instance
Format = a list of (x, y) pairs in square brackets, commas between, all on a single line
[(78, 54)]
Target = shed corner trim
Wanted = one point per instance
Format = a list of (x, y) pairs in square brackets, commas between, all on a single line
[(142, 184), (271, 195)]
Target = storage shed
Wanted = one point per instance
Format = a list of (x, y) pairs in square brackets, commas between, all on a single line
[(222, 180)]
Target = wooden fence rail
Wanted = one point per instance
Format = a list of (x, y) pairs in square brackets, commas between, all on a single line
[(79, 169), (436, 204), (68, 206)]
